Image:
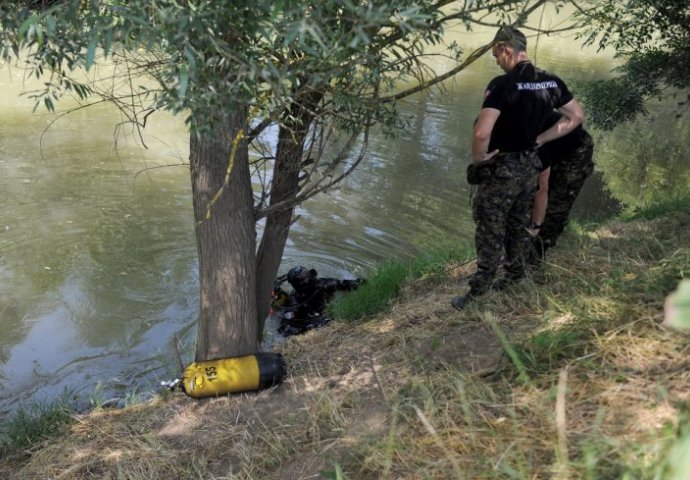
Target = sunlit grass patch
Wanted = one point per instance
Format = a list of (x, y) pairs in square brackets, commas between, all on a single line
[(588, 387), (569, 374)]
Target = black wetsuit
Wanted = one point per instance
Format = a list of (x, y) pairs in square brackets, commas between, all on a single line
[(303, 309)]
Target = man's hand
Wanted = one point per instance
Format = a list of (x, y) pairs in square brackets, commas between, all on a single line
[(573, 115), (533, 232), (487, 156)]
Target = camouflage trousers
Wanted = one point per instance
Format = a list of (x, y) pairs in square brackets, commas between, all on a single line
[(502, 209), (568, 174)]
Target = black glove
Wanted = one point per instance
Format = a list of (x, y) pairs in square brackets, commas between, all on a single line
[(351, 284)]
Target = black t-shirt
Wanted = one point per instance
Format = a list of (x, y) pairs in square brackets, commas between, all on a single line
[(555, 149), (525, 97)]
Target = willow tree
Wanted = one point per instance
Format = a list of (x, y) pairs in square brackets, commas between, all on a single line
[(651, 38), (322, 71)]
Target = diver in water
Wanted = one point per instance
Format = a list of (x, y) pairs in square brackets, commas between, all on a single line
[(303, 308)]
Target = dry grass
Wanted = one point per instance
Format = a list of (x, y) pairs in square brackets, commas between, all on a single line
[(568, 375)]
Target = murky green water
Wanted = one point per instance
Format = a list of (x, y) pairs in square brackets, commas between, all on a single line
[(98, 265)]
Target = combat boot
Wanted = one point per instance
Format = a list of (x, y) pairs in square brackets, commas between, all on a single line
[(460, 301)]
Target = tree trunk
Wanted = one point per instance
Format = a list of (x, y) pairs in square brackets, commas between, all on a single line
[(285, 185), (226, 239)]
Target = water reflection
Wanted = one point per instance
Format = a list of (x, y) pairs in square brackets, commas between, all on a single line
[(92, 261)]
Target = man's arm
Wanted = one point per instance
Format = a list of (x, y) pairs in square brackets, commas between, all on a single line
[(573, 115), (482, 134), (541, 201)]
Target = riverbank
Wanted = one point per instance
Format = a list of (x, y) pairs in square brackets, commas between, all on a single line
[(570, 374)]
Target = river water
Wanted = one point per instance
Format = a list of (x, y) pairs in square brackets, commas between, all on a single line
[(98, 268)]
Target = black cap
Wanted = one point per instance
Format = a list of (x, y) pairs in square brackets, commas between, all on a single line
[(512, 36)]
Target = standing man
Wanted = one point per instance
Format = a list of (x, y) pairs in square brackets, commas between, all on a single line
[(509, 128), (570, 162)]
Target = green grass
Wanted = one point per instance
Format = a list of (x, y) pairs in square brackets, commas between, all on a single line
[(33, 423), (374, 296), (384, 284), (548, 350), (437, 260), (679, 203)]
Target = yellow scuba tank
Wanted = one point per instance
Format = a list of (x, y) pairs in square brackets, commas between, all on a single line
[(232, 375)]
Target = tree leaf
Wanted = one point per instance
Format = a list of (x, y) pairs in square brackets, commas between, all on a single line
[(24, 28), (91, 52), (677, 307), (679, 459), (183, 82), (49, 104), (50, 24)]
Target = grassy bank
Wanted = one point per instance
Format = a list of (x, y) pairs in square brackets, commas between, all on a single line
[(570, 374)]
